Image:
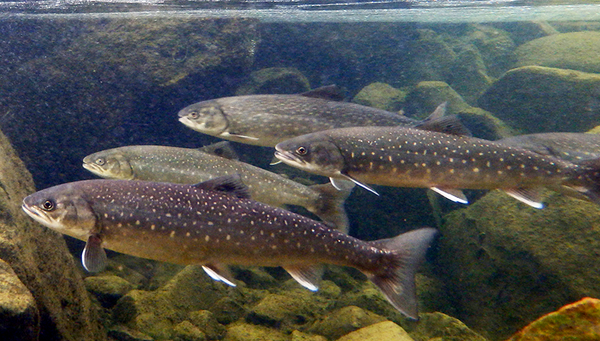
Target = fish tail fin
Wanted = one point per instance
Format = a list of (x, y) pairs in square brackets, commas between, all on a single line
[(396, 276), (330, 205)]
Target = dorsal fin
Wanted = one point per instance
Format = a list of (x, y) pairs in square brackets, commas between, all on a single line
[(446, 124), (439, 112), (222, 149), (230, 184), (329, 92)]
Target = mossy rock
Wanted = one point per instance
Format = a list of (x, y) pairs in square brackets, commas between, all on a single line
[(535, 99), (505, 263), (574, 51), (249, 332), (186, 331), (426, 96), (20, 315), (108, 289), (382, 96), (382, 331), (275, 80), (344, 321), (439, 325), (577, 321), (208, 324)]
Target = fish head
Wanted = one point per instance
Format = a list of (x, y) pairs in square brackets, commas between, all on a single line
[(111, 164), (314, 153), (62, 208), (205, 117)]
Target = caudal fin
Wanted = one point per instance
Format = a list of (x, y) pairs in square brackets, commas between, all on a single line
[(396, 278), (330, 205)]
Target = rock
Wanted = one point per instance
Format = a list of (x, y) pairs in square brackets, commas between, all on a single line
[(555, 99), (288, 311), (275, 80), (19, 315), (300, 336), (573, 51), (426, 96), (503, 262), (383, 331), (208, 324), (250, 332), (577, 321), (344, 321), (122, 333), (469, 75), (107, 289), (495, 47), (381, 96), (432, 56), (40, 259), (186, 331), (432, 326)]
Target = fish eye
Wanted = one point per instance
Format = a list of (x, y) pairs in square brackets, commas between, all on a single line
[(100, 162), (48, 205), (301, 150), (194, 115)]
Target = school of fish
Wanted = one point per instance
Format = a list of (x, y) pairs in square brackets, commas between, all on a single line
[(204, 206)]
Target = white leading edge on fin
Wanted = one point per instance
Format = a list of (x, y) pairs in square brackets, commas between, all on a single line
[(240, 136), (458, 197), (526, 197), (214, 275), (338, 186)]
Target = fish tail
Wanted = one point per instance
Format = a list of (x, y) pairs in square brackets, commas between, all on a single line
[(330, 205), (395, 276)]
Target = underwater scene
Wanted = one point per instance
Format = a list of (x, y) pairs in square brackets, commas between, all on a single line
[(300, 170)]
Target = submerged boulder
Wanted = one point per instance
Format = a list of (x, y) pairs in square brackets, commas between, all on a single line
[(45, 269), (535, 99), (505, 263)]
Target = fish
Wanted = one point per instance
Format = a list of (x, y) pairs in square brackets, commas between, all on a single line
[(214, 224), (191, 166), (567, 146), (445, 163), (265, 120)]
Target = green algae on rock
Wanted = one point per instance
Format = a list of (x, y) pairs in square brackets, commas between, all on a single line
[(501, 270), (577, 321), (20, 315), (108, 289), (343, 321), (574, 51), (382, 331), (555, 99), (382, 96), (275, 80), (436, 325)]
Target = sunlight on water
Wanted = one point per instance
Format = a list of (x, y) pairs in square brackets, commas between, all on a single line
[(450, 11)]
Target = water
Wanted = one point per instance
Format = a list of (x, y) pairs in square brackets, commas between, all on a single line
[(82, 76)]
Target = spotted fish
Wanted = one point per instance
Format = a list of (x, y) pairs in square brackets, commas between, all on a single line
[(214, 224), (191, 166), (407, 157), (567, 146), (265, 120)]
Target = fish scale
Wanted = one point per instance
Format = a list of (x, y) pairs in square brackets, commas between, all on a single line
[(214, 224), (407, 157)]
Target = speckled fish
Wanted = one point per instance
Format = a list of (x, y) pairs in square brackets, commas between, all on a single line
[(406, 157), (265, 120), (567, 146), (214, 224), (191, 166)]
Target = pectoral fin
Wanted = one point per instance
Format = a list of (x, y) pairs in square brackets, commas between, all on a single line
[(245, 137), (93, 256), (222, 149), (453, 194), (219, 272), (336, 183), (307, 276)]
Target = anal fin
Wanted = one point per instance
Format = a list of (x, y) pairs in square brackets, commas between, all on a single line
[(307, 276), (94, 257), (527, 196), (219, 272), (453, 194)]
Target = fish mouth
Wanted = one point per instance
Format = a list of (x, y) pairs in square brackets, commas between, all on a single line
[(36, 215), (288, 158)]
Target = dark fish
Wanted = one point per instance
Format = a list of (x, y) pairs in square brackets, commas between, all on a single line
[(214, 224), (567, 146), (406, 157), (266, 120), (191, 166)]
